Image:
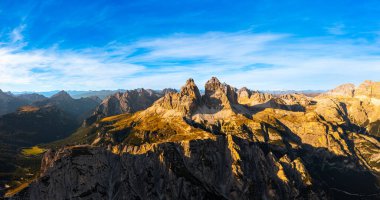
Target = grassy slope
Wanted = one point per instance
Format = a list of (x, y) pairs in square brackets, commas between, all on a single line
[(18, 171)]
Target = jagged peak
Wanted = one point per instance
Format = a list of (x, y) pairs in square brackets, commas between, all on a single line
[(62, 95), (244, 89), (185, 101), (218, 94), (244, 92), (190, 89), (190, 81), (212, 85)]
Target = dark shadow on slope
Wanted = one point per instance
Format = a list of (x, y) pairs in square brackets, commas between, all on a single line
[(275, 105)]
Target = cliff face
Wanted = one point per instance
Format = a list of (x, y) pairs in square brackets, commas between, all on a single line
[(225, 168), (223, 145)]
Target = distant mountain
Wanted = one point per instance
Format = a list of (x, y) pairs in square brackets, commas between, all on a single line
[(76, 94), (311, 93), (128, 102), (32, 97), (79, 109), (33, 125), (102, 94), (10, 103)]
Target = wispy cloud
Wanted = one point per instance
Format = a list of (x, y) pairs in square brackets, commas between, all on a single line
[(337, 29), (16, 34), (53, 69), (259, 61)]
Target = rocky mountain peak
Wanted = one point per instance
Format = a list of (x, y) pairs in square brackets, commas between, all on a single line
[(344, 90), (190, 89), (62, 95), (218, 94), (244, 92), (269, 147), (213, 85), (185, 102), (4, 94), (369, 89)]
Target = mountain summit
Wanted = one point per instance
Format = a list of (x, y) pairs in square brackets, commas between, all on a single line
[(62, 96), (224, 144)]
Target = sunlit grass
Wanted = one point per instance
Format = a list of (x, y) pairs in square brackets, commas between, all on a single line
[(32, 151)]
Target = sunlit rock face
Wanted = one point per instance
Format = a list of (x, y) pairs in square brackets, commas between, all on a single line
[(225, 168), (219, 95), (185, 102), (226, 144), (369, 89), (345, 90)]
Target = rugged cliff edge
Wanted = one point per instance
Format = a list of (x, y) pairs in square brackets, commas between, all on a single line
[(226, 144)]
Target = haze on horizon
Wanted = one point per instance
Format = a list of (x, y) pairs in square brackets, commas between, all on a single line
[(265, 45)]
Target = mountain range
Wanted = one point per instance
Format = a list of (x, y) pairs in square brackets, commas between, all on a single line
[(222, 143)]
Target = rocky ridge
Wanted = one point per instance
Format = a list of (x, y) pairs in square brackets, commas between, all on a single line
[(9, 103), (128, 102), (225, 145), (79, 109)]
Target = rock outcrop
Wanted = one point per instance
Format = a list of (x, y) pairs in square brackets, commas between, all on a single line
[(227, 168), (368, 89), (185, 102), (251, 98), (219, 95), (345, 90)]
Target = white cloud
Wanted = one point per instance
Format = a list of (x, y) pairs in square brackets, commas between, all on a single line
[(49, 69), (259, 61)]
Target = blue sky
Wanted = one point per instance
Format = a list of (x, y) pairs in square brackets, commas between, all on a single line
[(262, 44)]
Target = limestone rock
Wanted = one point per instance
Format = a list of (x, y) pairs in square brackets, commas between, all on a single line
[(345, 90), (368, 89)]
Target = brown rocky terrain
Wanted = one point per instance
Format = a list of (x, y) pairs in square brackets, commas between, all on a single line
[(225, 144)]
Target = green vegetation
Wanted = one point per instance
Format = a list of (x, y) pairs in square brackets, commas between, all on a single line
[(83, 135), (18, 166)]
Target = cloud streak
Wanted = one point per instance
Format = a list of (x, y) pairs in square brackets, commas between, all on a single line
[(16, 34), (256, 60)]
